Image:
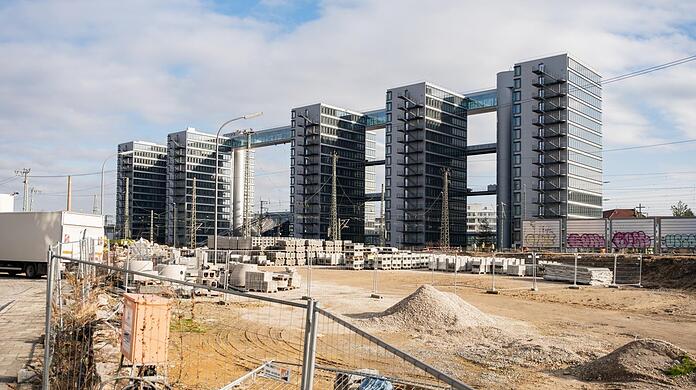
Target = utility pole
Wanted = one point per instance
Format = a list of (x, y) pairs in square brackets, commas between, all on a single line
[(69, 200), (444, 228), (126, 210), (193, 215), (640, 209), (94, 204), (246, 225), (152, 226), (32, 192), (174, 221), (24, 172), (524, 215), (383, 224), (335, 229), (261, 217)]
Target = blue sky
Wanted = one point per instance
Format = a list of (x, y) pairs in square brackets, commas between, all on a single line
[(77, 78)]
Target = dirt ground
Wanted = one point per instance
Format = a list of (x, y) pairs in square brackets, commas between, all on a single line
[(538, 335)]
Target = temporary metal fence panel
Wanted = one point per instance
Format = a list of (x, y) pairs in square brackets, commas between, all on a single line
[(218, 338), (635, 233), (542, 233), (348, 357), (586, 234), (677, 233)]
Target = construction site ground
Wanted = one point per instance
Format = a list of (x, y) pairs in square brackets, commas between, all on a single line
[(537, 338)]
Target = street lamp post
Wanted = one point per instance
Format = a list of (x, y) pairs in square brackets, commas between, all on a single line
[(101, 191), (217, 154)]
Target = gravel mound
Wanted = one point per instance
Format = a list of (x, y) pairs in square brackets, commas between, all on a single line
[(638, 361), (430, 308)]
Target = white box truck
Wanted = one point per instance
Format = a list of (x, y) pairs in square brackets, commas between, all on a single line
[(26, 236)]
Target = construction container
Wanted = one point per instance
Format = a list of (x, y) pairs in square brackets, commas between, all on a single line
[(145, 329)]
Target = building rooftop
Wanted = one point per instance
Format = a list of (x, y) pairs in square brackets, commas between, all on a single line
[(621, 213)]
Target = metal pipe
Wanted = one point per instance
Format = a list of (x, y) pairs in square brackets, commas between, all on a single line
[(101, 190), (311, 363), (46, 383), (307, 335)]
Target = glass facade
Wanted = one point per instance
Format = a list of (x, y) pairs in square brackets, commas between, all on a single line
[(584, 142), (427, 134), (320, 131), (145, 166), (191, 154)]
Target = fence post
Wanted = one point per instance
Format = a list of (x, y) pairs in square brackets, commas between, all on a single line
[(575, 274), (309, 279), (432, 273), (613, 284), (375, 294), (456, 265), (310, 342), (47, 326), (227, 273), (534, 272), (640, 270), (492, 289)]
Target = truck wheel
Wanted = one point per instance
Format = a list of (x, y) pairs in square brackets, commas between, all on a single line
[(31, 271)]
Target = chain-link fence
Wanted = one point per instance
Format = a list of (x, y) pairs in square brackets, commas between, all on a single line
[(130, 323)]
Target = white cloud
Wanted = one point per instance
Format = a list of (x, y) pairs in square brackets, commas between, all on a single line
[(96, 73)]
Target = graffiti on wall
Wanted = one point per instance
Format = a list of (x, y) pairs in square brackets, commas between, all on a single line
[(678, 241), (541, 238), (585, 240), (631, 240), (542, 234)]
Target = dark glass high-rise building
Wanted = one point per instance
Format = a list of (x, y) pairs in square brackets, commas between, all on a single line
[(191, 154), (425, 134), (144, 164), (319, 131)]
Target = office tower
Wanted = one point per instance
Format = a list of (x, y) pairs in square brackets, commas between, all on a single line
[(425, 133), (549, 143), (191, 154), (142, 166), (317, 132)]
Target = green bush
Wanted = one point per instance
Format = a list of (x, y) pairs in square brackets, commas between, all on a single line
[(685, 366)]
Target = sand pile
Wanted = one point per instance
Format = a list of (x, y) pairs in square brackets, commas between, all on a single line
[(430, 308), (638, 361)]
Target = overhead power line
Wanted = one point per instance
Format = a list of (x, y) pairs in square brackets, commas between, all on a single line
[(70, 174), (650, 69)]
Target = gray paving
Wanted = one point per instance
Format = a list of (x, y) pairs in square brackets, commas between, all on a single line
[(22, 305)]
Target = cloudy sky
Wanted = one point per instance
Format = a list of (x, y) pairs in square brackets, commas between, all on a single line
[(79, 77)]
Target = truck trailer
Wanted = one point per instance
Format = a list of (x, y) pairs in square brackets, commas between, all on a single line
[(26, 236)]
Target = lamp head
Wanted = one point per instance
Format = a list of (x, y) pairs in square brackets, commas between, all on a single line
[(253, 115)]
